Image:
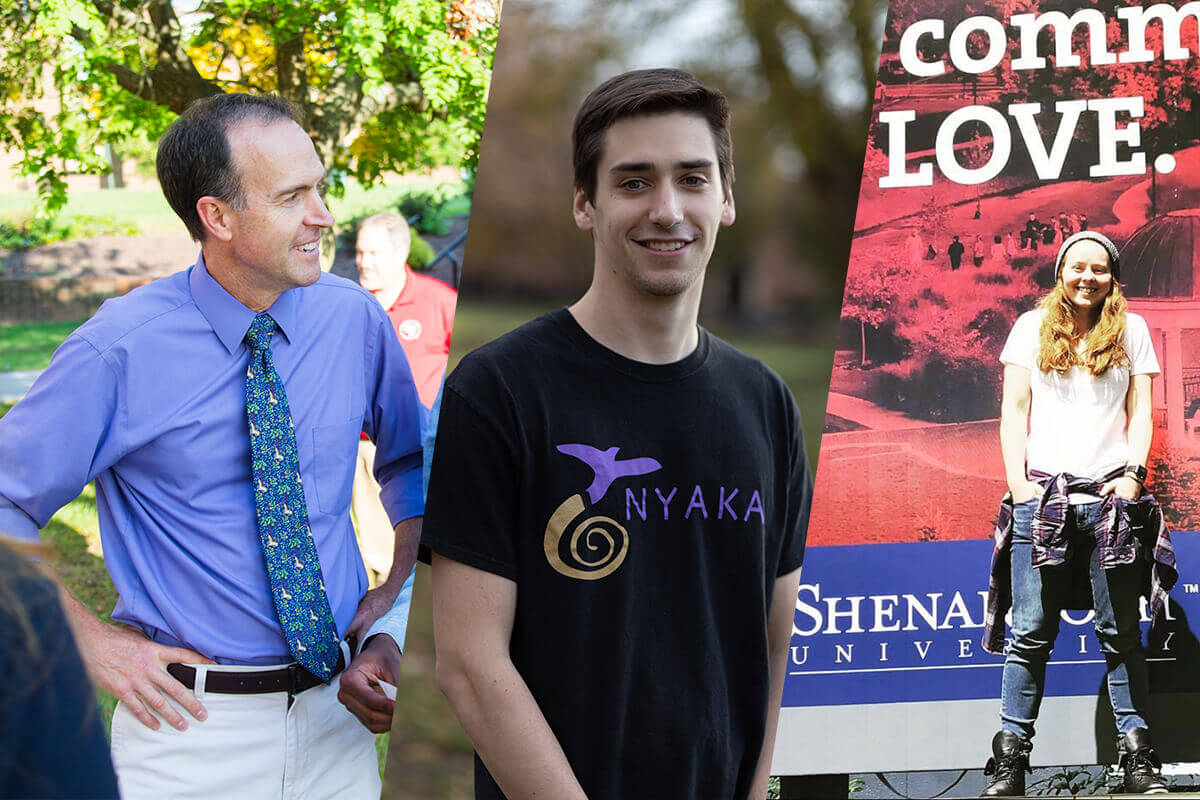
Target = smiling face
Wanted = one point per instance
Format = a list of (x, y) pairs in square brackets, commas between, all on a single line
[(1086, 276), (273, 239), (658, 203)]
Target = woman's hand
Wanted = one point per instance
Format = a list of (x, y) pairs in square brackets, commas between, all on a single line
[(1124, 487), (1023, 493)]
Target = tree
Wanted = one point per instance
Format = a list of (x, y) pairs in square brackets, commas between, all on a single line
[(871, 295), (1173, 483), (818, 63), (799, 78), (383, 86)]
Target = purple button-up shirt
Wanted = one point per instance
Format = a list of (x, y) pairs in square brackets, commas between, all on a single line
[(148, 399)]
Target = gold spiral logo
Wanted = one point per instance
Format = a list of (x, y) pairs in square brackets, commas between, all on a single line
[(601, 551)]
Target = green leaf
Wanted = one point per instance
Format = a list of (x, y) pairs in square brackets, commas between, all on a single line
[(391, 86)]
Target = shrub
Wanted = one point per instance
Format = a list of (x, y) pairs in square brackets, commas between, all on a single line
[(429, 205), (997, 278), (949, 328), (84, 226), (939, 389), (433, 209), (1174, 479), (420, 253), (23, 234), (27, 232)]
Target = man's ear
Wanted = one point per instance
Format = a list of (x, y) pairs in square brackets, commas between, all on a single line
[(728, 213), (216, 218), (583, 210)]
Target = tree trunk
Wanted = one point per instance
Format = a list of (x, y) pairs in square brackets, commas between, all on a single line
[(292, 73)]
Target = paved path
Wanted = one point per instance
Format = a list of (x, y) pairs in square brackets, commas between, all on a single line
[(869, 415), (1133, 205), (13, 385)]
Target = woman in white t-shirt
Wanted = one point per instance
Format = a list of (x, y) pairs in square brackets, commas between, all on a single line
[(1075, 428)]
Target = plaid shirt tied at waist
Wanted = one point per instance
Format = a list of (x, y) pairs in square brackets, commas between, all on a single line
[(1131, 531)]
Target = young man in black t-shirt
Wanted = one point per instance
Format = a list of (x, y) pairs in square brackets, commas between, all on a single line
[(618, 503)]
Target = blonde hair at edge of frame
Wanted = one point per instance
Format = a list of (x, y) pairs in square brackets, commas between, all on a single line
[(15, 566), (1104, 344)]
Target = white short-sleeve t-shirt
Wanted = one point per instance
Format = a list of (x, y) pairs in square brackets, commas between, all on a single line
[(1077, 420)]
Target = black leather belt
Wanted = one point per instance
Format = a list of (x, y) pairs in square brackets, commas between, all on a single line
[(290, 678)]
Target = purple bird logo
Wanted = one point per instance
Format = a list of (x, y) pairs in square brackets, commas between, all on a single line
[(606, 466), (598, 544)]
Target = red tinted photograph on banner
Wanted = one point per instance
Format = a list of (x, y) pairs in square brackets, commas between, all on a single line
[(991, 142), (1016, 391)]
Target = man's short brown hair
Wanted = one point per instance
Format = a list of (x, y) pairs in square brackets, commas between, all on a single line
[(647, 91), (194, 157)]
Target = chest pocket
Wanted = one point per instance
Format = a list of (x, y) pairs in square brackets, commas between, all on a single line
[(334, 450)]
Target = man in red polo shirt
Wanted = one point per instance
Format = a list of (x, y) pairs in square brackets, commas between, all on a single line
[(421, 309)]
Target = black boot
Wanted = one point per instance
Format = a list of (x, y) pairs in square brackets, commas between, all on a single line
[(1139, 763), (1007, 766)]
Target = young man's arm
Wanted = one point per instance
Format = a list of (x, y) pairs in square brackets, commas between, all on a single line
[(779, 636), (473, 613)]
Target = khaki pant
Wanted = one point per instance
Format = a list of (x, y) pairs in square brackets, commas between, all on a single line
[(251, 746), (376, 537)]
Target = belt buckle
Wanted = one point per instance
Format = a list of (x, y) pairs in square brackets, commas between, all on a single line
[(293, 680)]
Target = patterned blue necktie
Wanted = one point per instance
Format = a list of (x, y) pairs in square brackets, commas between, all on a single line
[(292, 563)]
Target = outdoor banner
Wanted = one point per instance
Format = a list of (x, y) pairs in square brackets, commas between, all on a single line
[(999, 127)]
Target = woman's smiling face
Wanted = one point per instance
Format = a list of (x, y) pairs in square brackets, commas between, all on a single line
[(1086, 275)]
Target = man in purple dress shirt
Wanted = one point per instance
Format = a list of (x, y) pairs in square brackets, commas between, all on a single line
[(148, 399)]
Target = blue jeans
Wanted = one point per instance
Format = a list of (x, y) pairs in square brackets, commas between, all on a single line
[(1038, 597)]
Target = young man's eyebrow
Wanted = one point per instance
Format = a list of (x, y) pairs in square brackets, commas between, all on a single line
[(646, 166), (632, 166)]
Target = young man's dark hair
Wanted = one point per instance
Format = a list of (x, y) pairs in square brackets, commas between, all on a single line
[(194, 159), (647, 91)]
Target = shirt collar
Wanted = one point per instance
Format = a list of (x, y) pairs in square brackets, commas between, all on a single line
[(406, 294), (228, 317)]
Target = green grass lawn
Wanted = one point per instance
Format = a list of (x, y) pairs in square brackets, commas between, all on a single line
[(432, 757), (24, 347), (145, 207)]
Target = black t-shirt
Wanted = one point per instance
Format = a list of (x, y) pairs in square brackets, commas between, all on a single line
[(644, 512)]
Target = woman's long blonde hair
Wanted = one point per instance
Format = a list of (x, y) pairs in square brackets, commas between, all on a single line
[(15, 572), (1104, 344)]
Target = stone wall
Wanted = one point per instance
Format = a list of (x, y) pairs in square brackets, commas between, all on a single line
[(58, 299)]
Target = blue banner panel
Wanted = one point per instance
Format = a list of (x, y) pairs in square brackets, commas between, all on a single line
[(893, 623)]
